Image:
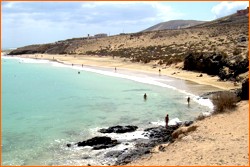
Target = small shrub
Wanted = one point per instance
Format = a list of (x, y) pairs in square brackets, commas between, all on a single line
[(224, 101), (236, 51)]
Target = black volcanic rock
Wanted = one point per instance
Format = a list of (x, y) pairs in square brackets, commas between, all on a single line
[(225, 73), (245, 90), (188, 123), (157, 135), (99, 142), (161, 133), (226, 68), (119, 129), (141, 146), (209, 63)]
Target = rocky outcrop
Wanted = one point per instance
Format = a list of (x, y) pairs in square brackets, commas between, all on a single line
[(54, 48), (162, 134), (119, 129), (31, 49), (209, 63), (216, 64), (98, 143), (243, 93), (225, 73), (245, 90), (156, 135), (140, 146)]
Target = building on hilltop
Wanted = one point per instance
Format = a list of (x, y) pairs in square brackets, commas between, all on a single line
[(101, 35)]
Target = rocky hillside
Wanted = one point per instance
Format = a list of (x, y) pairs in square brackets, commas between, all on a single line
[(174, 24), (228, 39), (226, 67), (227, 20)]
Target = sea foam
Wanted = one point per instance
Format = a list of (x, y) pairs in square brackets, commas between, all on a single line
[(26, 60)]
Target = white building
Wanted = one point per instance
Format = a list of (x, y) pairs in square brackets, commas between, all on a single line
[(101, 35)]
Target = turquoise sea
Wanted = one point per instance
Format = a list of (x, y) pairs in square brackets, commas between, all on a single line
[(46, 105)]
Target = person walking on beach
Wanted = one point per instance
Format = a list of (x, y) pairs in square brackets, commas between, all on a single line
[(159, 71), (115, 69), (188, 100), (166, 121)]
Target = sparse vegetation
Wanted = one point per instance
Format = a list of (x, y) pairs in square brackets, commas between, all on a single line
[(236, 51), (165, 47), (224, 101)]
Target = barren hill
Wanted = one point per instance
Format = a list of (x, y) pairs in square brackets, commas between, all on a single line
[(231, 19), (222, 44), (174, 24)]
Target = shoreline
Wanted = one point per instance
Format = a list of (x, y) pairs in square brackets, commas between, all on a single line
[(210, 135), (49, 64), (188, 88), (108, 62)]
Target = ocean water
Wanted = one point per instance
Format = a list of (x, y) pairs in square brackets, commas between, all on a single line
[(46, 105)]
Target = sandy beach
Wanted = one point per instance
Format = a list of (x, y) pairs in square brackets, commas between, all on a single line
[(173, 71), (221, 139), (125, 84)]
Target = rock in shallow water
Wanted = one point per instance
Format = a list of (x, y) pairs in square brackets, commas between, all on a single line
[(160, 132), (99, 142), (113, 154), (119, 129), (141, 146), (157, 135), (188, 123)]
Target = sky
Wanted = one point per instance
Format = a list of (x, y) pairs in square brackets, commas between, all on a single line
[(26, 23)]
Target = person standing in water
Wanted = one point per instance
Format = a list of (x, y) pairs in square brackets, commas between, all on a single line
[(145, 96), (188, 100), (166, 121)]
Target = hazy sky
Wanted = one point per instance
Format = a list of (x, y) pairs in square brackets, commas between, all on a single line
[(25, 23)]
